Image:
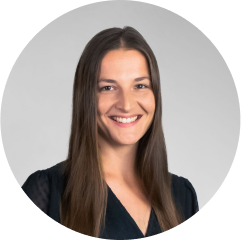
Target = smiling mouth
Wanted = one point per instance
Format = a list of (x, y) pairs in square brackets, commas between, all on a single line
[(138, 117)]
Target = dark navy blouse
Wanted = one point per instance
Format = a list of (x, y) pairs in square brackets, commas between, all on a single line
[(45, 188)]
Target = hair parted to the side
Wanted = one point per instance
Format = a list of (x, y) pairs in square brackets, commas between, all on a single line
[(84, 201)]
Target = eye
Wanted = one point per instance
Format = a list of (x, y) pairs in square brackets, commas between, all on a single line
[(142, 85), (102, 89)]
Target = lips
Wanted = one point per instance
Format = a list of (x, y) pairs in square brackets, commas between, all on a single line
[(129, 116), (126, 124), (138, 116)]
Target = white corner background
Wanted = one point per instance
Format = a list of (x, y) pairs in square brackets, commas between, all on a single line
[(201, 108)]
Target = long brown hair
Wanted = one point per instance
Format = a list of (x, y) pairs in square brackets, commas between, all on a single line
[(84, 202)]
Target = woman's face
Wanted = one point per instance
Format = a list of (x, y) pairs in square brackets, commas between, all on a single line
[(126, 103)]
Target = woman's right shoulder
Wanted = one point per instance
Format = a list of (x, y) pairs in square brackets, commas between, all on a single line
[(45, 176), (42, 183)]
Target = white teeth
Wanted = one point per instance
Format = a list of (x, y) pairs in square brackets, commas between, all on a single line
[(125, 120)]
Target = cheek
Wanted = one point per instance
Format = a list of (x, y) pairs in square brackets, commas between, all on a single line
[(148, 102), (103, 105)]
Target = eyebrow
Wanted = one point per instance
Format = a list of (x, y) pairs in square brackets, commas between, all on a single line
[(114, 81)]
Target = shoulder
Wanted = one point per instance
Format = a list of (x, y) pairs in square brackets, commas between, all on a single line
[(42, 184), (44, 176), (184, 195)]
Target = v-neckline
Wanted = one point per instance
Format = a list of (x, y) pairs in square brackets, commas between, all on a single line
[(129, 216)]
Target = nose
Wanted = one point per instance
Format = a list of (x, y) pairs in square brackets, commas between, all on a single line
[(125, 101)]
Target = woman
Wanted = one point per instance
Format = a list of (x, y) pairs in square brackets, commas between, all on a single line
[(115, 182)]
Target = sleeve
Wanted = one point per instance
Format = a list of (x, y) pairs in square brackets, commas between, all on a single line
[(191, 202), (38, 190)]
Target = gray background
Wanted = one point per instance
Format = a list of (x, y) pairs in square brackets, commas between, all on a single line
[(200, 103)]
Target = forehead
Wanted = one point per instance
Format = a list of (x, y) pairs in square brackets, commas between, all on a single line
[(123, 62)]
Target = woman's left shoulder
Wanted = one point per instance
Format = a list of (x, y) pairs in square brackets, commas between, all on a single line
[(184, 195)]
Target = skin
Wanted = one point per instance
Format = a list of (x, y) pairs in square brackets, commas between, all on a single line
[(118, 145)]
